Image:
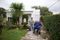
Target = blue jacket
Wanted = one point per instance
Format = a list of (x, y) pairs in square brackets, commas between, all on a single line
[(37, 25)]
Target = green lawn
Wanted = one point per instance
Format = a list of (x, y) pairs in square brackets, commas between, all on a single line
[(13, 34)]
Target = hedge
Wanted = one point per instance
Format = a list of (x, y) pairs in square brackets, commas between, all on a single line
[(52, 25)]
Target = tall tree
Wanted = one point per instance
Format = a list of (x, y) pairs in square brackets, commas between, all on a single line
[(2, 16), (44, 11), (2, 12), (16, 11)]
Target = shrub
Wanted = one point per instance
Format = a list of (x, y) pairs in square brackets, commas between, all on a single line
[(25, 25), (52, 25)]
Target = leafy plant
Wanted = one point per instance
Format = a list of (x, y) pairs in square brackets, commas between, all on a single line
[(16, 11), (2, 16), (52, 25)]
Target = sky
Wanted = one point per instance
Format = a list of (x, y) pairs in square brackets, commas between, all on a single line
[(29, 3)]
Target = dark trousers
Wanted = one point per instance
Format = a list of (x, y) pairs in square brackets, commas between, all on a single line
[(36, 30)]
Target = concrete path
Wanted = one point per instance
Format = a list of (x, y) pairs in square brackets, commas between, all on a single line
[(31, 36)]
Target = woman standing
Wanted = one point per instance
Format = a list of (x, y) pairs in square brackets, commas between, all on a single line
[(31, 24)]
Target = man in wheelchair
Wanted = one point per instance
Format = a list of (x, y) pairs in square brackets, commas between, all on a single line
[(37, 27)]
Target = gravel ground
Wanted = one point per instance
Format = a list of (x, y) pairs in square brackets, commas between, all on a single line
[(31, 36)]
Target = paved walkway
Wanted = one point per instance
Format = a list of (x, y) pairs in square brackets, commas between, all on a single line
[(31, 36)]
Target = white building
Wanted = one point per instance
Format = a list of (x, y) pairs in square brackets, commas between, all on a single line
[(22, 18), (35, 13)]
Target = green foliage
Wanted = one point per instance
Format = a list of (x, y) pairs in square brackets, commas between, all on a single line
[(16, 11), (52, 24), (17, 6), (25, 26), (10, 25), (1, 19), (15, 19), (44, 11), (2, 12), (12, 34), (2, 16)]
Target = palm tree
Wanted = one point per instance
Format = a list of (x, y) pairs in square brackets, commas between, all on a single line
[(16, 11)]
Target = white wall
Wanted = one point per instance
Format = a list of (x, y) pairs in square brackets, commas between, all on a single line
[(36, 15), (20, 19), (8, 15)]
